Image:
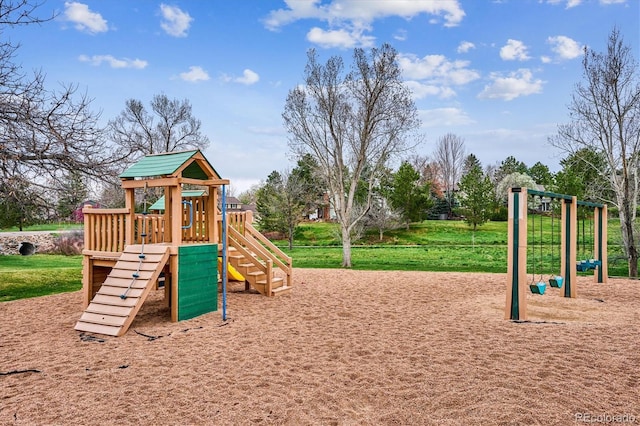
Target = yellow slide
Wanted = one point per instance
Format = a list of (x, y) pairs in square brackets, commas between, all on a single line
[(232, 272)]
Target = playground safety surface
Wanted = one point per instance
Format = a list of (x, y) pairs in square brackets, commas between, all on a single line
[(345, 347)]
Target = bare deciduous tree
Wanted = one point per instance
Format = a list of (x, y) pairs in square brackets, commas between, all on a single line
[(450, 155), (43, 133), (605, 117), (170, 126), (352, 126)]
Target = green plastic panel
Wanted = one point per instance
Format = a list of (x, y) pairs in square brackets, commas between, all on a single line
[(197, 280)]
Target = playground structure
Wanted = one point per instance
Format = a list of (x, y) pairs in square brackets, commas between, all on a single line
[(518, 283), (188, 249)]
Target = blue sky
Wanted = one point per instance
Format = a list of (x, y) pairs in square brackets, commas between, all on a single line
[(497, 73)]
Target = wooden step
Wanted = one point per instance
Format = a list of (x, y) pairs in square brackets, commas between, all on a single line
[(98, 328), (281, 290), (275, 282), (110, 320), (120, 311)]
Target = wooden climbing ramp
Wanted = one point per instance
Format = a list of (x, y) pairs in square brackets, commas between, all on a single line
[(116, 304)]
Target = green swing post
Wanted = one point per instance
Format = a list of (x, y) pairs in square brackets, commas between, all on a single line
[(516, 302), (569, 222), (600, 243)]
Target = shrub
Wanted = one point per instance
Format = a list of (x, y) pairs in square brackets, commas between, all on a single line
[(69, 243)]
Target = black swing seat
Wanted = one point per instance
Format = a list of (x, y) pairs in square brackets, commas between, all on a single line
[(556, 281), (538, 288), (588, 265)]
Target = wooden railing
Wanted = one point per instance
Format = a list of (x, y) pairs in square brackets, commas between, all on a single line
[(104, 229), (150, 224), (243, 236), (237, 220), (196, 230)]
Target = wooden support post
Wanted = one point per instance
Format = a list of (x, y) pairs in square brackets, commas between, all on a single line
[(600, 243), (212, 215), (130, 204), (568, 247), (176, 215), (87, 281), (173, 261), (516, 306)]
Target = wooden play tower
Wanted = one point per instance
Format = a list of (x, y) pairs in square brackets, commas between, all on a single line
[(130, 253)]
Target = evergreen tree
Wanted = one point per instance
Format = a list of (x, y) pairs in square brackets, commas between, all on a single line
[(73, 191), (469, 163), (21, 203), (306, 175), (578, 177), (541, 175), (269, 217), (281, 203), (408, 197), (476, 196), (508, 166)]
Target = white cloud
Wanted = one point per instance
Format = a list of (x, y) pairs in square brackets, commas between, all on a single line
[(565, 47), (422, 90), (175, 21), (349, 20), (574, 3), (248, 78), (434, 75), (570, 3), (337, 11), (400, 35), (465, 46), (84, 19), (97, 60), (444, 117), (514, 85), (514, 50), (339, 38), (195, 74), (437, 68)]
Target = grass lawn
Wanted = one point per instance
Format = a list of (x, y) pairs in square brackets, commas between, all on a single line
[(426, 246), (38, 275), (57, 226)]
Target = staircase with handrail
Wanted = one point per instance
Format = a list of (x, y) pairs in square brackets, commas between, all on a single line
[(265, 267)]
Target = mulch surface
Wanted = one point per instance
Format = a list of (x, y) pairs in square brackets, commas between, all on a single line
[(344, 348)]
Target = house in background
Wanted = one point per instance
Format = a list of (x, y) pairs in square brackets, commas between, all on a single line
[(234, 205), (324, 211)]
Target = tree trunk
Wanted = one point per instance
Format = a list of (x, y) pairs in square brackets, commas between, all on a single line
[(633, 263), (626, 225), (346, 247), (291, 231)]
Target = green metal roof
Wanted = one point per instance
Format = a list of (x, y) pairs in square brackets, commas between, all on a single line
[(159, 205), (165, 164)]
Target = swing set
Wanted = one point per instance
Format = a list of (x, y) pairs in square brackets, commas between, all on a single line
[(538, 256), (518, 281)]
